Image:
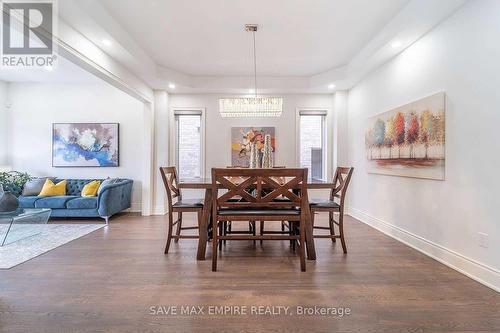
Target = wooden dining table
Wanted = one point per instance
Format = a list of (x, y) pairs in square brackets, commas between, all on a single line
[(206, 184)]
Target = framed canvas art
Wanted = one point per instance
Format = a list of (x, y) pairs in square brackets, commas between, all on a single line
[(409, 140), (85, 145), (243, 137)]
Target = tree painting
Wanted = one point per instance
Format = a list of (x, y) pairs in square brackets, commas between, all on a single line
[(412, 133), (426, 130), (389, 134), (379, 134), (417, 131), (399, 131)]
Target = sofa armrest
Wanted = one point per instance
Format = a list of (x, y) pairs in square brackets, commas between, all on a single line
[(114, 198)]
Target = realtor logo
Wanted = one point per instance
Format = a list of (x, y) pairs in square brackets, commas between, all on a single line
[(27, 36)]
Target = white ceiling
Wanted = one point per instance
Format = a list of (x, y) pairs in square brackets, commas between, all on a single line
[(296, 37), (64, 72), (304, 46)]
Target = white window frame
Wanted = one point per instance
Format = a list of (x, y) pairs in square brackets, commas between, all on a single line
[(326, 136), (173, 158)]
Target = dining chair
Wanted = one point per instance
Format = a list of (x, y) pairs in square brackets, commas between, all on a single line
[(258, 189), (283, 223), (227, 226), (169, 176), (335, 204)]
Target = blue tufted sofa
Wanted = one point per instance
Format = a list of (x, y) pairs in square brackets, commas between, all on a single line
[(111, 199)]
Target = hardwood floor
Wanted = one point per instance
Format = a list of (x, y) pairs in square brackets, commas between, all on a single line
[(108, 280)]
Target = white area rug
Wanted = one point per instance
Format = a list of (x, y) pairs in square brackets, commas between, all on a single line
[(50, 237)]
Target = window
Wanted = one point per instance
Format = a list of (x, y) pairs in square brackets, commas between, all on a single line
[(312, 129), (188, 143)]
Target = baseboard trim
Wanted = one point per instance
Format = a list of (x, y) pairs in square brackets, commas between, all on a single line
[(159, 210), (475, 270), (135, 207)]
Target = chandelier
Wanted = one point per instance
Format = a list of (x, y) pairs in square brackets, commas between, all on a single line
[(253, 106)]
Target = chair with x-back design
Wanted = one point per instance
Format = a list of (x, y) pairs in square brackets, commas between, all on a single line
[(258, 189), (169, 176), (334, 205)]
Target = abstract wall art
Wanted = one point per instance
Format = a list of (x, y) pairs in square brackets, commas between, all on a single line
[(85, 145), (241, 140), (409, 140)]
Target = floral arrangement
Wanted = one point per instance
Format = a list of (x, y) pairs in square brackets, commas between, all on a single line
[(15, 178)]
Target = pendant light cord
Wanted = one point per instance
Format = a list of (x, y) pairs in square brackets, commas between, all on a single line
[(255, 64)]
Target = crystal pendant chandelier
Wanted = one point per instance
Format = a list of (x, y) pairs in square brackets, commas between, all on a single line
[(253, 106)]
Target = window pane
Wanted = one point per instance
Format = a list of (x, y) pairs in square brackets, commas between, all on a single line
[(311, 145), (189, 145)]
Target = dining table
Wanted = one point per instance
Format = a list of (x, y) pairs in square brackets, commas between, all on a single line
[(206, 184)]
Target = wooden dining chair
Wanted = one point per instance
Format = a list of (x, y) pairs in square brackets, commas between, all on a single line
[(169, 176), (335, 204), (227, 226), (258, 189)]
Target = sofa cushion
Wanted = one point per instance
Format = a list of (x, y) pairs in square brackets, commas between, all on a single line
[(75, 186), (54, 202), (82, 203), (34, 186), (106, 182), (28, 201), (90, 190), (50, 189)]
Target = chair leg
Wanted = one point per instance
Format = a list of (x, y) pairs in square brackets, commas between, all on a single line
[(214, 245), (179, 227), (169, 232), (225, 227), (261, 230), (302, 247), (332, 226), (221, 232), (252, 226), (229, 229), (341, 231), (282, 226), (209, 227)]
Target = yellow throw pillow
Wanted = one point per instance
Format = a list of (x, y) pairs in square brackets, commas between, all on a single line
[(52, 190), (90, 190)]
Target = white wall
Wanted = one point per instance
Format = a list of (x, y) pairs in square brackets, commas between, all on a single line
[(460, 57), (161, 148), (35, 106), (3, 123), (218, 129)]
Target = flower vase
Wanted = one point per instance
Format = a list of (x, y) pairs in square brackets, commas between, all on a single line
[(267, 161), (253, 156)]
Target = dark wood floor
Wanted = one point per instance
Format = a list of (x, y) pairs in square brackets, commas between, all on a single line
[(108, 280)]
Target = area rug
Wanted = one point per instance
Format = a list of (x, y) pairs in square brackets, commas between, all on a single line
[(49, 237)]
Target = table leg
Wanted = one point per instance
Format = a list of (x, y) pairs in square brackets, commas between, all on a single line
[(311, 250), (203, 225)]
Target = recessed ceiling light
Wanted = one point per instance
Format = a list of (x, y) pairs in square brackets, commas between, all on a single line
[(395, 45), (251, 91), (171, 86), (331, 86), (106, 42)]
